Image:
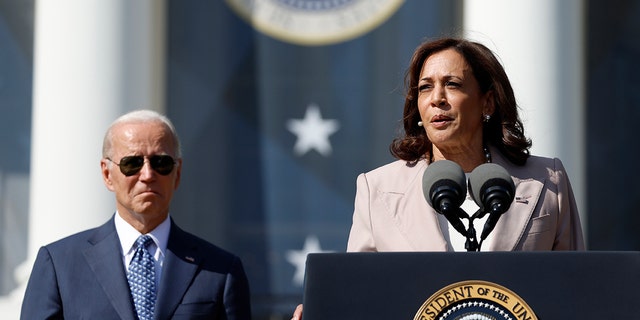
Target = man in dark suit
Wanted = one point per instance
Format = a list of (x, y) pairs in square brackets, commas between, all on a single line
[(94, 274)]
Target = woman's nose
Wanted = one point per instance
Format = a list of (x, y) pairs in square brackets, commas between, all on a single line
[(438, 97)]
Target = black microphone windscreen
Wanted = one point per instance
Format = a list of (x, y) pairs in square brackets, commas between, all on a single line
[(487, 175), (440, 173)]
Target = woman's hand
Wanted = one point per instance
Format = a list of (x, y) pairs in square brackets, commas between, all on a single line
[(297, 314)]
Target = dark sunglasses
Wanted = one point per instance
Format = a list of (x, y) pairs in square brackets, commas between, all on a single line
[(131, 165)]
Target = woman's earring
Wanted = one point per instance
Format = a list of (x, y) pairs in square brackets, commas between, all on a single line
[(419, 123), (487, 117)]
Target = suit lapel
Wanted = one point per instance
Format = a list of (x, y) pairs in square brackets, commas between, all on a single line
[(512, 224), (418, 222), (424, 232), (105, 260), (180, 266)]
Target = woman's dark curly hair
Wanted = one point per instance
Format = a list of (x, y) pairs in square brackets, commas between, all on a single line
[(504, 131)]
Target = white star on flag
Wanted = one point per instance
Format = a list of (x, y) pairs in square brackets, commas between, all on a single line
[(312, 132), (298, 258)]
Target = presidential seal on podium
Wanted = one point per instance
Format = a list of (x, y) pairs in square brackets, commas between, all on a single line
[(475, 300)]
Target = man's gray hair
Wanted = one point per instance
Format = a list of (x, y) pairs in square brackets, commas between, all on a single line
[(140, 116)]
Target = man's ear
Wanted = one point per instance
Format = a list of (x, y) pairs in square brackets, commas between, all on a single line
[(106, 174), (178, 173)]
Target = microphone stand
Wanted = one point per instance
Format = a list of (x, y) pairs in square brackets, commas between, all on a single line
[(454, 214), (472, 232), (472, 241), (471, 244)]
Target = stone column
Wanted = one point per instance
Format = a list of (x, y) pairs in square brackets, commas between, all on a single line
[(93, 60), (541, 45)]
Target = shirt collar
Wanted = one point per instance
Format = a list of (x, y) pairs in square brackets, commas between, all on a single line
[(128, 235)]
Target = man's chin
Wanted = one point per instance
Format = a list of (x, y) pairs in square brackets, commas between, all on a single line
[(149, 209)]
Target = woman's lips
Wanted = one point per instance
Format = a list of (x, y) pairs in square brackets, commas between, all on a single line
[(440, 121)]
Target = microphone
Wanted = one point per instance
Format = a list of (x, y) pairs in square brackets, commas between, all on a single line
[(493, 190), (444, 187)]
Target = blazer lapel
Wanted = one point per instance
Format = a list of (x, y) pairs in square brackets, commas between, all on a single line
[(423, 230), (180, 266), (418, 222), (512, 224), (105, 260)]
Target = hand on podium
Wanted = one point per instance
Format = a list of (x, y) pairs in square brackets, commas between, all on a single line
[(297, 314)]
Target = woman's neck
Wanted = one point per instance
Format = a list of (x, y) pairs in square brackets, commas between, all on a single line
[(467, 158)]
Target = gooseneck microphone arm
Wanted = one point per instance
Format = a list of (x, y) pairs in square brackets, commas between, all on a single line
[(444, 188), (472, 243), (444, 198), (493, 190)]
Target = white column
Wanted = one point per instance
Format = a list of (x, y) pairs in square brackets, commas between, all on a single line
[(93, 60), (540, 43)]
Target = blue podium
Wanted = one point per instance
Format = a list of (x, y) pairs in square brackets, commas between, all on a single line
[(518, 285)]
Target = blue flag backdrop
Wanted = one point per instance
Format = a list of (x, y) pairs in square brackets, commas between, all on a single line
[(275, 129)]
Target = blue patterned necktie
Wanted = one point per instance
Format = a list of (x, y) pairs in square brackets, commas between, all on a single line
[(141, 277)]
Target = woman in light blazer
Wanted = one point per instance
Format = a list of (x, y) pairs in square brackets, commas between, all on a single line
[(460, 106)]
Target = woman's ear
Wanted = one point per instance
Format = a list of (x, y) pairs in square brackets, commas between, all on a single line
[(489, 106)]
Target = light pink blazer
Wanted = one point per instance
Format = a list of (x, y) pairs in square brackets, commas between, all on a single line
[(391, 213)]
